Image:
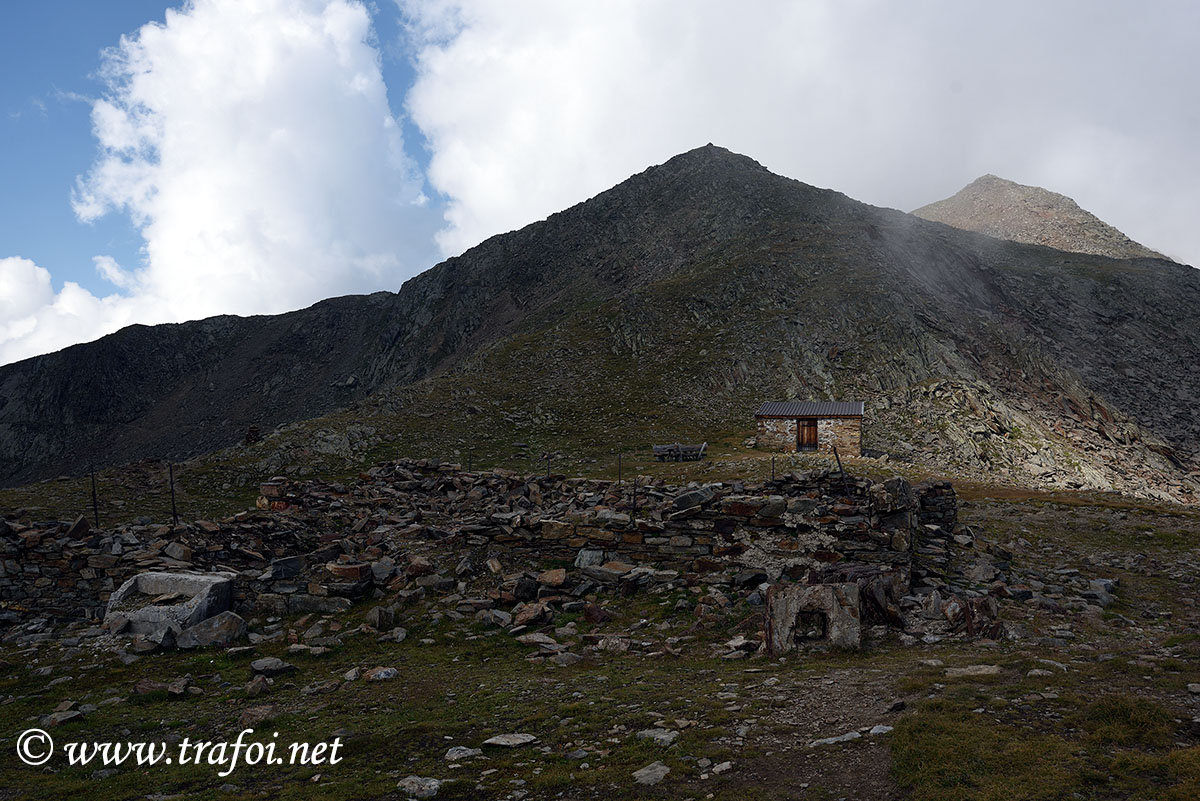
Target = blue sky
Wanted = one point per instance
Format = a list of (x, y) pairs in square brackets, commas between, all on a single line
[(257, 156), (49, 56), (45, 133)]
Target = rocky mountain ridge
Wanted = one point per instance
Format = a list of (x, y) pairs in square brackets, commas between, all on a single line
[(1005, 209), (666, 309)]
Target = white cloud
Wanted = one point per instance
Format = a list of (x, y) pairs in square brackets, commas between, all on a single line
[(252, 144), (532, 105), (35, 319), (110, 271)]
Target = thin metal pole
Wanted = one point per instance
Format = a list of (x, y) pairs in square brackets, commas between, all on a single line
[(174, 512), (845, 484), (95, 503)]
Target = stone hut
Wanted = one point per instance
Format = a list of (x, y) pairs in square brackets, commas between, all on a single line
[(792, 426)]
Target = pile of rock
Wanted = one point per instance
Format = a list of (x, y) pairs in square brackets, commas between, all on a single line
[(414, 529)]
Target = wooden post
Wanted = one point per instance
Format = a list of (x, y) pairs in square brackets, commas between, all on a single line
[(174, 512), (95, 503)]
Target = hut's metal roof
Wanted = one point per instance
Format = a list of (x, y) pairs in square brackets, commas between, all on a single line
[(810, 409)]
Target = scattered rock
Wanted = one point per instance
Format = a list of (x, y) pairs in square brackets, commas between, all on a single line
[(460, 752), (381, 674), (652, 774), (257, 685), (663, 737), (841, 738), (255, 715), (221, 629), (419, 786), (271, 666)]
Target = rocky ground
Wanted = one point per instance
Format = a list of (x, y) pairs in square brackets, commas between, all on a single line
[(660, 689)]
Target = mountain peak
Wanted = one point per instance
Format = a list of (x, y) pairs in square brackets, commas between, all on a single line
[(709, 157), (1008, 210)]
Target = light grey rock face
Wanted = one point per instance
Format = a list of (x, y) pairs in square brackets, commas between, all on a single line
[(150, 601), (1008, 210)]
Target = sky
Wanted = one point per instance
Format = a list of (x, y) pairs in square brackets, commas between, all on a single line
[(163, 161)]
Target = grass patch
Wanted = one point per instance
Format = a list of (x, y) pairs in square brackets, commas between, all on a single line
[(946, 753), (1127, 720)]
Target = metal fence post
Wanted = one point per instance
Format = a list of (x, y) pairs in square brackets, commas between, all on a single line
[(95, 503), (174, 512)]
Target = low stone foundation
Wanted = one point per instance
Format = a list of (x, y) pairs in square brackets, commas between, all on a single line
[(319, 547)]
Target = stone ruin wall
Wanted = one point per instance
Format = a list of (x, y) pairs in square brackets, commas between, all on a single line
[(812, 528), (795, 529)]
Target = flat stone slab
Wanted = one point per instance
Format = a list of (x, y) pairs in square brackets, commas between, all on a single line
[(849, 736), (973, 670), (652, 774), (271, 666), (510, 740), (157, 600)]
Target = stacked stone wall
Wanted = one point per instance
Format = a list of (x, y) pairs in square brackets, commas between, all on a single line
[(289, 555), (843, 433), (775, 434)]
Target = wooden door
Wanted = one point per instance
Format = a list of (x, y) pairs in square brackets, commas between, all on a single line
[(806, 435)]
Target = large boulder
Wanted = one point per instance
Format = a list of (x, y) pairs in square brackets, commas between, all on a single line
[(221, 629), (152, 601)]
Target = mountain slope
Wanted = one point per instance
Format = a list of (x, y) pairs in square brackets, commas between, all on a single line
[(670, 305), (1030, 214)]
